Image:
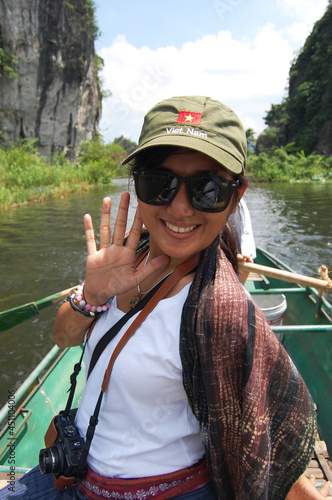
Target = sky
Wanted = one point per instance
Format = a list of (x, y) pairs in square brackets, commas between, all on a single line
[(236, 51)]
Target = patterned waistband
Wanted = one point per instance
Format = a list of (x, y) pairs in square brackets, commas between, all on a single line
[(162, 487)]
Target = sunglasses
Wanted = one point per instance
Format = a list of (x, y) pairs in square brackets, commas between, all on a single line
[(206, 192)]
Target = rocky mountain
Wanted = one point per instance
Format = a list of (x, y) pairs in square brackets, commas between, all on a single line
[(310, 91), (48, 73), (303, 121)]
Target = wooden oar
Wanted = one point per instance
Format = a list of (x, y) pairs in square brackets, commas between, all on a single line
[(17, 315), (280, 274)]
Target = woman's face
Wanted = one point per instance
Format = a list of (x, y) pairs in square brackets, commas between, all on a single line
[(177, 229)]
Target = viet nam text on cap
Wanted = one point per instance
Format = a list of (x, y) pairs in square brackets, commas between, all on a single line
[(198, 123)]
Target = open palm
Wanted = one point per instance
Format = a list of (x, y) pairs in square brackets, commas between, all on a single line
[(111, 269)]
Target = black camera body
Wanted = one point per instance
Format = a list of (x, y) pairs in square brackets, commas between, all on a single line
[(64, 450)]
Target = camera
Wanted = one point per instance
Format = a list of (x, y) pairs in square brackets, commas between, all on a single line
[(63, 453)]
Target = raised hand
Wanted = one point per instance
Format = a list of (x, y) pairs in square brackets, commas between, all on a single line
[(111, 269), (304, 489)]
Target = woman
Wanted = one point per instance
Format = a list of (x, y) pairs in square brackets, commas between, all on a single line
[(202, 401), (240, 223)]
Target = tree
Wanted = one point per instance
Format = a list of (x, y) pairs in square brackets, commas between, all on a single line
[(303, 118), (277, 116), (126, 144), (251, 141)]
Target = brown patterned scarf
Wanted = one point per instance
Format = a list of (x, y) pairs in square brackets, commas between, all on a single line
[(255, 413)]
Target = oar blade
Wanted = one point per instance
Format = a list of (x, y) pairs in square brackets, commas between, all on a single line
[(17, 315)]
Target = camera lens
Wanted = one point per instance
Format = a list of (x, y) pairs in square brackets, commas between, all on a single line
[(49, 460)]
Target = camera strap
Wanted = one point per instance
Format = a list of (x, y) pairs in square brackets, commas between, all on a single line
[(111, 333), (103, 342), (180, 271), (146, 305)]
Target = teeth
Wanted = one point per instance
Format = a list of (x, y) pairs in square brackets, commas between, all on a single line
[(178, 229)]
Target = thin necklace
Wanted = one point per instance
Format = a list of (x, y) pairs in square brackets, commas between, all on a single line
[(140, 294)]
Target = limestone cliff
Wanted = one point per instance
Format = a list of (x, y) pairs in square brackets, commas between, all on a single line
[(55, 96), (310, 91), (303, 121)]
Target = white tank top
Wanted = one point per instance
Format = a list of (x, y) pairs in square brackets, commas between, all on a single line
[(146, 426)]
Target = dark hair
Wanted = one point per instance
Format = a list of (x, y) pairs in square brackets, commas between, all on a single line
[(152, 157), (228, 244), (155, 156)]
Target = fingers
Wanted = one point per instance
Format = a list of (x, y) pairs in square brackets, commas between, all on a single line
[(312, 479), (105, 223), (89, 235), (135, 232), (155, 265), (324, 491), (244, 258), (121, 220)]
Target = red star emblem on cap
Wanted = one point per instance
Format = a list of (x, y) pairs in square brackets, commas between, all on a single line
[(189, 117)]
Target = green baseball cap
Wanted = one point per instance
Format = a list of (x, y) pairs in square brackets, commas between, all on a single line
[(199, 123)]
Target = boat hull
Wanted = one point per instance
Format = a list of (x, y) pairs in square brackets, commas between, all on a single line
[(307, 338), (42, 398)]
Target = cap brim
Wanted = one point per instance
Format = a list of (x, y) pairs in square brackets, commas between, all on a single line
[(221, 156)]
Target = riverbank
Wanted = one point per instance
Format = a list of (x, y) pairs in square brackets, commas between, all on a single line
[(28, 177), (279, 166)]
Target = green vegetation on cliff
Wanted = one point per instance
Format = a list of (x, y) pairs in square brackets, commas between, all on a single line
[(304, 117), (8, 64)]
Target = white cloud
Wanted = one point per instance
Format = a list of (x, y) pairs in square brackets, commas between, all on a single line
[(297, 33), (307, 11), (246, 75)]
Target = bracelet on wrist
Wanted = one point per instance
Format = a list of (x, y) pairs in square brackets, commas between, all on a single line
[(79, 304)]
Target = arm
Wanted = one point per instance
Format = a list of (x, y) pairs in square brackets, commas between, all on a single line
[(70, 327), (248, 245), (304, 489), (243, 274), (109, 271)]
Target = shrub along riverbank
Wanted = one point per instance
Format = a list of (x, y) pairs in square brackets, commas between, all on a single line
[(279, 166), (27, 176)]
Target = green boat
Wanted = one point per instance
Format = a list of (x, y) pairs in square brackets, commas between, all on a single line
[(299, 315)]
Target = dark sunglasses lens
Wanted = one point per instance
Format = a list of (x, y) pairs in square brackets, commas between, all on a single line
[(155, 188), (210, 194)]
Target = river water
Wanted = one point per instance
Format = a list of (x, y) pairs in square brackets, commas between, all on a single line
[(42, 251)]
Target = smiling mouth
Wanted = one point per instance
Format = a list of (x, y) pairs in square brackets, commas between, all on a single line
[(180, 229)]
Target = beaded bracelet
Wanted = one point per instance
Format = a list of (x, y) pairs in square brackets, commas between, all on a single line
[(79, 304)]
